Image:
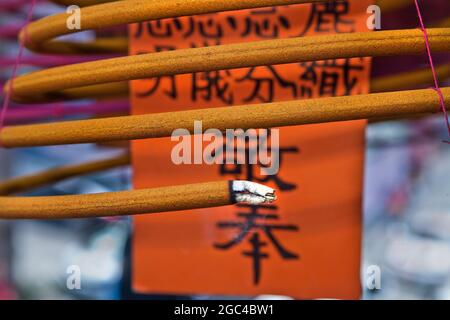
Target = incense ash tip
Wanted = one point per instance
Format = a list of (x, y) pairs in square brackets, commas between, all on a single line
[(252, 193)]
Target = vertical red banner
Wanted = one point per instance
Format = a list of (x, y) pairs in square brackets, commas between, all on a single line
[(307, 244)]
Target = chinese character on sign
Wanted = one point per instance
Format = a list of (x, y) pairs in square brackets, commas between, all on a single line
[(256, 228), (259, 231), (329, 17)]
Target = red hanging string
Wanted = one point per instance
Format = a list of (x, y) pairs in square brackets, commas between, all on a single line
[(7, 97), (433, 69)]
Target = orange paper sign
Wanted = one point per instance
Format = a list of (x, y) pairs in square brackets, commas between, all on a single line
[(307, 244)]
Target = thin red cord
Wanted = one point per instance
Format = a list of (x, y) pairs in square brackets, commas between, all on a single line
[(433, 69), (16, 67)]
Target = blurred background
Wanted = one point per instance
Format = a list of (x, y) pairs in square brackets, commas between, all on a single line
[(406, 195)]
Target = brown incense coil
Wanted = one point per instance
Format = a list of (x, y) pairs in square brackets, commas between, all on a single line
[(27, 183), (386, 5), (173, 198), (73, 81), (290, 113), (387, 83), (108, 13), (409, 79), (108, 77), (40, 34), (81, 3)]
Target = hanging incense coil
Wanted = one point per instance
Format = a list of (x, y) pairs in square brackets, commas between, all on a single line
[(99, 78)]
